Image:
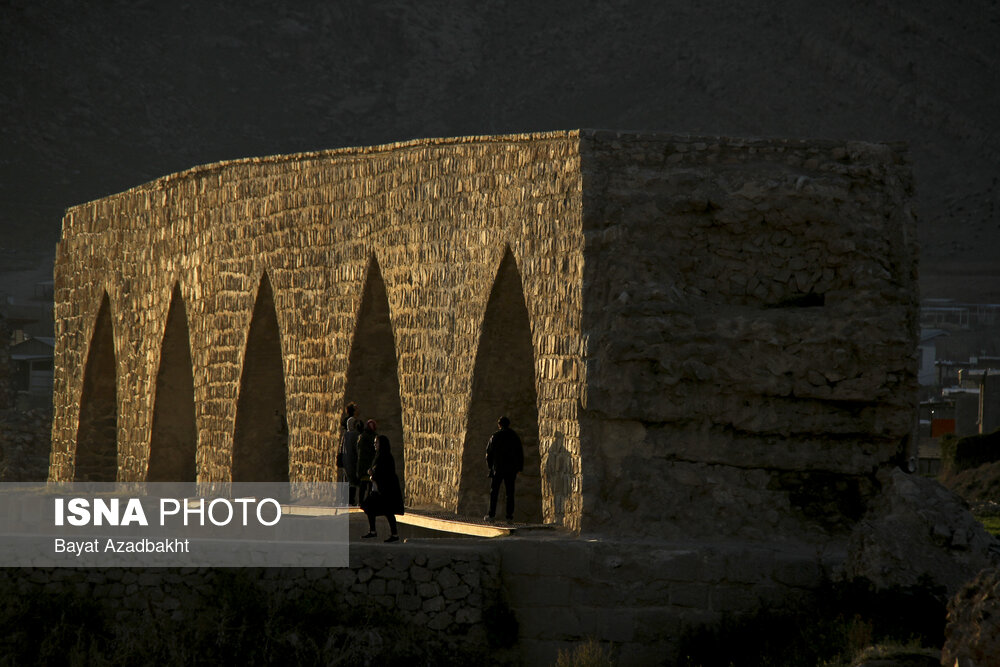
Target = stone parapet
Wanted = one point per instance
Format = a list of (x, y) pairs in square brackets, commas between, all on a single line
[(439, 596), (523, 598)]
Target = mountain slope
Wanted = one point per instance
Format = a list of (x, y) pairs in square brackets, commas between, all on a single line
[(98, 97)]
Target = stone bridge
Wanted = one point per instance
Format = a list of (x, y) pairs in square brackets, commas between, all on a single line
[(693, 336)]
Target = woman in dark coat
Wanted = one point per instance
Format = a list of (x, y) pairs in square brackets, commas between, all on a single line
[(350, 458), (386, 498)]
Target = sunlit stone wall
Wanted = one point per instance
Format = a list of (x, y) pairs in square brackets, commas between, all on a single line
[(427, 221), (718, 334)]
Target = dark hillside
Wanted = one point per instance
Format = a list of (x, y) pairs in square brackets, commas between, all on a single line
[(97, 97)]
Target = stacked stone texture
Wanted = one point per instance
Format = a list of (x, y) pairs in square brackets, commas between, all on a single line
[(561, 591), (24, 444), (449, 591), (436, 215), (723, 329)]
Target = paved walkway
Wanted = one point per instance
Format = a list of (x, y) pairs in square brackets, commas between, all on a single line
[(430, 524)]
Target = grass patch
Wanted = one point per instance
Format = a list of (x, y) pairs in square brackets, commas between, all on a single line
[(991, 523), (911, 654), (590, 653)]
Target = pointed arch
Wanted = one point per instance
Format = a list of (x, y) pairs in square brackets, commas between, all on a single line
[(174, 436), (260, 438), (372, 381), (503, 383), (97, 433)]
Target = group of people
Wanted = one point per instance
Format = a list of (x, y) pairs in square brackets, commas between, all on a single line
[(367, 461), (370, 469)]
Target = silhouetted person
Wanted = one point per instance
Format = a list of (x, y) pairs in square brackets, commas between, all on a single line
[(349, 450), (386, 498), (345, 421), (366, 455), (505, 458), (280, 429)]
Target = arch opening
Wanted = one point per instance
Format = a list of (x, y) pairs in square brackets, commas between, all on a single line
[(372, 381), (174, 435), (503, 383), (97, 433), (260, 438)]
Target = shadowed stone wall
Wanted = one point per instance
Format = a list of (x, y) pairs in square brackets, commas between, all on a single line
[(457, 593), (721, 331), (750, 308), (443, 596)]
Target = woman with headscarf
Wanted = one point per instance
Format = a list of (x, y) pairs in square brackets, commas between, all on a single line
[(386, 498)]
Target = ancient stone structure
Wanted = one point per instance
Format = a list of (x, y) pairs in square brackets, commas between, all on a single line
[(695, 337)]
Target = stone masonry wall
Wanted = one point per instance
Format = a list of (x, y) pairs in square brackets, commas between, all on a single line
[(436, 215), (642, 597), (749, 307), (444, 594), (639, 598), (723, 331)]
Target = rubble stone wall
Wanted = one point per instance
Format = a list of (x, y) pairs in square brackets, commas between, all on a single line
[(749, 307), (464, 593), (445, 594)]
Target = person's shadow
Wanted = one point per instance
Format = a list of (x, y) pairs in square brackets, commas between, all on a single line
[(558, 470)]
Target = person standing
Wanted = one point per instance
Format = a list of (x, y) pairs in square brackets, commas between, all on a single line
[(505, 458), (386, 498), (280, 431), (366, 455), (346, 421), (349, 448)]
